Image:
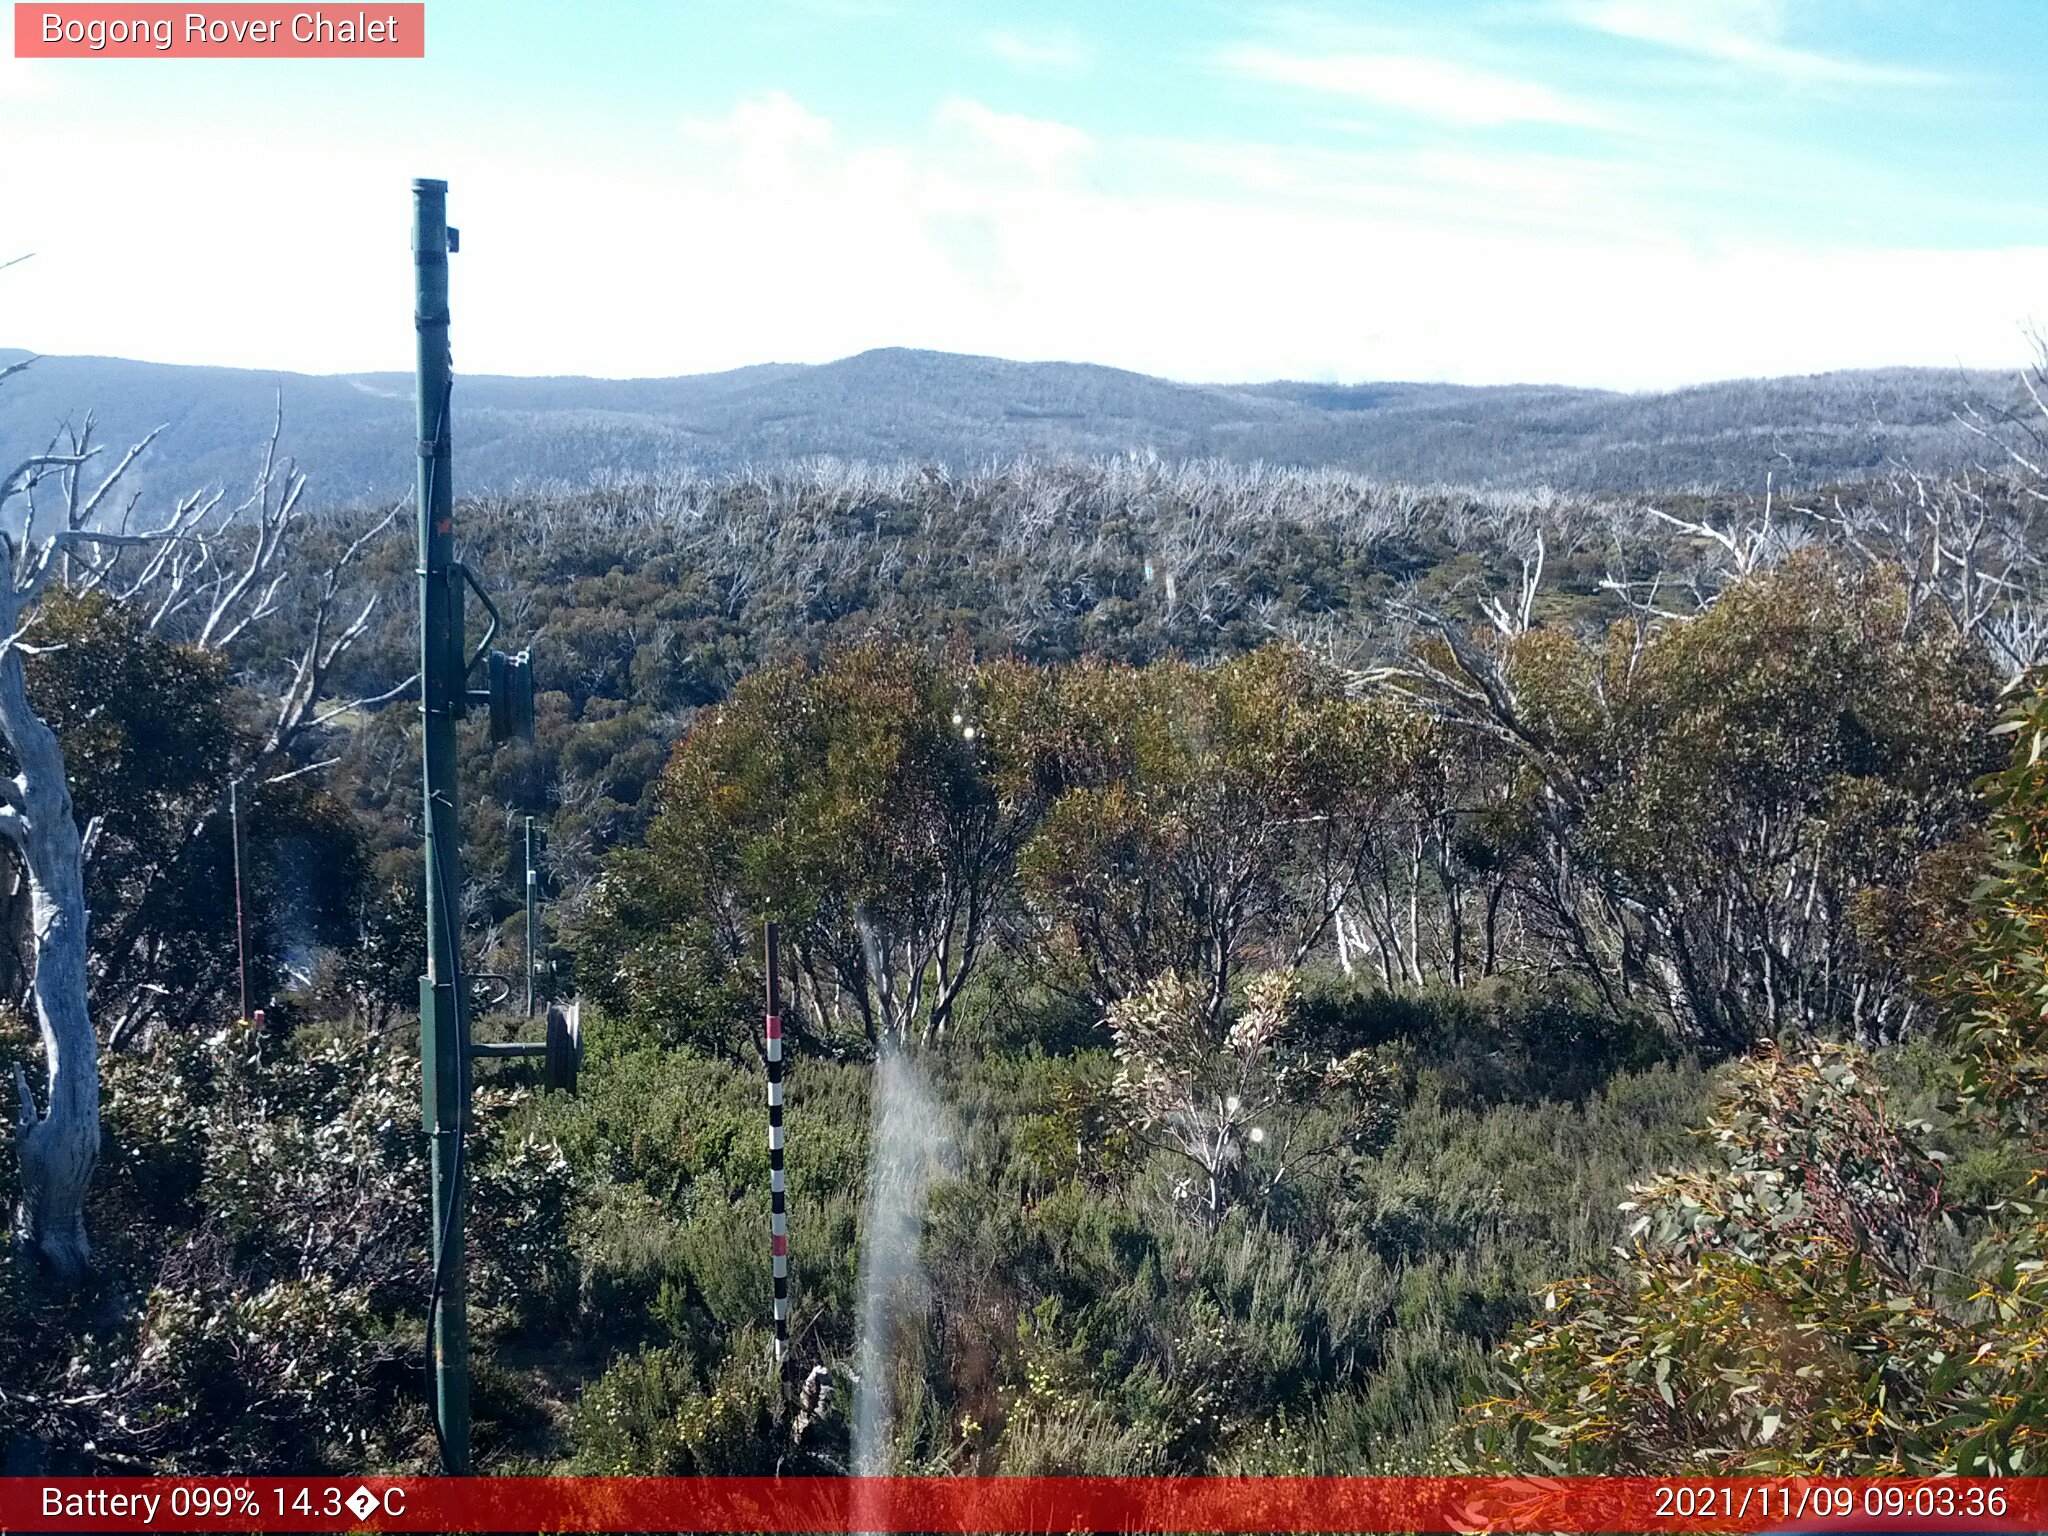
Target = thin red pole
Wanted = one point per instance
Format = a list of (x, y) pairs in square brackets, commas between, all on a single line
[(241, 922)]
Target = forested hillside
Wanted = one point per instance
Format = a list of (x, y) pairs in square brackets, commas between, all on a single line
[(963, 413), (1293, 911)]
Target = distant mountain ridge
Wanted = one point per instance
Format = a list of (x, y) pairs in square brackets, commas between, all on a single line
[(353, 432)]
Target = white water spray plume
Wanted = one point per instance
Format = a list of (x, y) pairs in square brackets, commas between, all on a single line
[(907, 1148)]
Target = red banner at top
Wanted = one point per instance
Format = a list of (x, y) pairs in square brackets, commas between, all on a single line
[(254, 31), (1041, 1504)]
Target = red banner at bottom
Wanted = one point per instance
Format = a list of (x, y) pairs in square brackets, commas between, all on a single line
[(1042, 1504)]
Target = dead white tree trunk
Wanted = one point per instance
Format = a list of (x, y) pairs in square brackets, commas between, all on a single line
[(58, 1146)]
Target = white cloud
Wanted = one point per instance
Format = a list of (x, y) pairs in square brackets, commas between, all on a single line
[(1433, 88), (771, 233), (1035, 145), (769, 123), (1061, 52), (1746, 33), (1501, 189), (24, 79)]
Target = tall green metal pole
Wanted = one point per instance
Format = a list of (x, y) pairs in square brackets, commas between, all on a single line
[(444, 1044), (530, 925)]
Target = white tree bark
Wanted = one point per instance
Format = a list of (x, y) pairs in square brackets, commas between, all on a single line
[(58, 1145)]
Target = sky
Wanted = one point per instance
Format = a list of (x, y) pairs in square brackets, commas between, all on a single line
[(1632, 194)]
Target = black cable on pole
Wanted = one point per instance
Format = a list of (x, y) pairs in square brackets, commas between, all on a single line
[(440, 1282), (452, 936)]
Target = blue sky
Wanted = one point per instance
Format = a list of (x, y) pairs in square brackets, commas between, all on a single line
[(1629, 193)]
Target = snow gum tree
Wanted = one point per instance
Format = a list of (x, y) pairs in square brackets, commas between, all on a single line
[(205, 574), (58, 1145)]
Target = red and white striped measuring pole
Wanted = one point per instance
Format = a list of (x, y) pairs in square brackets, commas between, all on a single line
[(778, 1213)]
